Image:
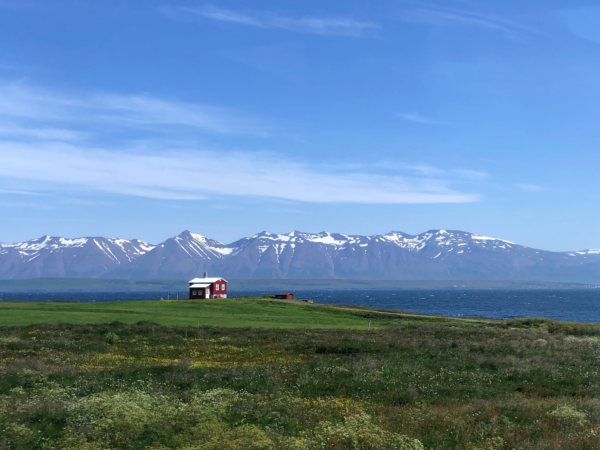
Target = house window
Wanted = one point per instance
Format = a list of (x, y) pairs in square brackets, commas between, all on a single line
[(222, 287), (216, 287), (194, 292)]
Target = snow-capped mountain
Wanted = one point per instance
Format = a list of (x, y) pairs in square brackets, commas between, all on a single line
[(59, 257), (185, 255), (436, 254), (433, 255)]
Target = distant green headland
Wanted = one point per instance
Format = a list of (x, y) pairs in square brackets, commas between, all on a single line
[(98, 284)]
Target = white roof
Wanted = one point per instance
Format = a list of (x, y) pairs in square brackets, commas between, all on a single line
[(199, 285), (206, 280)]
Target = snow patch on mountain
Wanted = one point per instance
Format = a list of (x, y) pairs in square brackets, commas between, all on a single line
[(223, 251), (202, 246), (410, 242), (589, 252), (476, 237)]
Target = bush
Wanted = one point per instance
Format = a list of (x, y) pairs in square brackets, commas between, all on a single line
[(495, 443), (568, 416), (119, 418), (16, 437), (356, 432), (111, 338), (216, 435)]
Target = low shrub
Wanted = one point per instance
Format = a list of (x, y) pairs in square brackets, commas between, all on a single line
[(568, 416), (111, 338)]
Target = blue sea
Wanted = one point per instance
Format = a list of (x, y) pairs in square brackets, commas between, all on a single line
[(570, 305)]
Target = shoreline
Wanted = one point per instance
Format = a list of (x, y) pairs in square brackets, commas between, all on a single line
[(255, 312), (121, 285)]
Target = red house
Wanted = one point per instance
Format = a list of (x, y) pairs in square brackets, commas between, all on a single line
[(208, 288), (285, 295)]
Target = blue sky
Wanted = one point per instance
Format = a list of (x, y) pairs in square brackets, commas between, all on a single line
[(141, 119)]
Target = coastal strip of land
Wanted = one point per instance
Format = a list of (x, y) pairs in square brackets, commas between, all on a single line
[(266, 286), (233, 312)]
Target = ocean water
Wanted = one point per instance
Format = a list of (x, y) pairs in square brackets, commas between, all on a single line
[(571, 305)]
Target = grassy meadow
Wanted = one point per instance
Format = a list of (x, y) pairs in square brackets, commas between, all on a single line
[(273, 375), (254, 312)]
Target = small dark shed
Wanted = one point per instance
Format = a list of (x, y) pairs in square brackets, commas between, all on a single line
[(285, 295)]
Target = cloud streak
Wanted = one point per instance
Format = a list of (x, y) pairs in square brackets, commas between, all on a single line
[(332, 26), (473, 174), (530, 188), (436, 15), (22, 102), (418, 118), (84, 142), (190, 174), (18, 192), (43, 133)]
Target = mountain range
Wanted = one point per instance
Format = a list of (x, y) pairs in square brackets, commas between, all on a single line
[(433, 255)]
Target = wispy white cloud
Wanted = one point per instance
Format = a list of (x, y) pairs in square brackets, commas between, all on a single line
[(25, 102), (60, 140), (22, 204), (333, 26), (418, 118), (18, 192), (419, 169), (44, 133), (473, 174), (85, 202), (433, 172), (530, 188), (437, 15), (149, 111), (583, 21), (180, 175)]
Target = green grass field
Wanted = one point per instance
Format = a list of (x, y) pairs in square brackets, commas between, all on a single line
[(253, 312)]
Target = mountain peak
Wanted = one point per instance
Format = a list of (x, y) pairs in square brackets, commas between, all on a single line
[(188, 235)]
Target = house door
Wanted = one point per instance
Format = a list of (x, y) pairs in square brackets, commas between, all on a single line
[(207, 293)]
